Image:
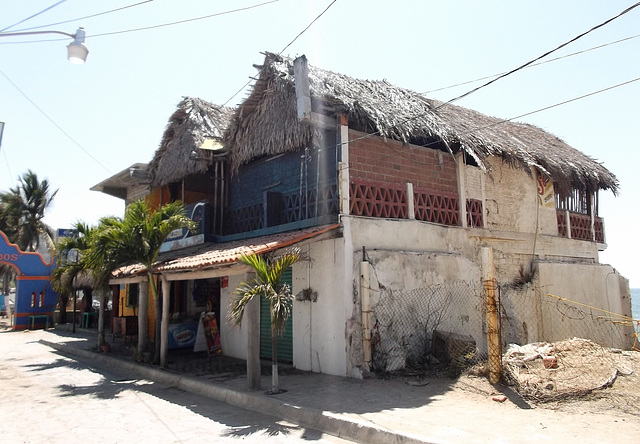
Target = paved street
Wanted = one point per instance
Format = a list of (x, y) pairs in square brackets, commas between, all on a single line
[(46, 397)]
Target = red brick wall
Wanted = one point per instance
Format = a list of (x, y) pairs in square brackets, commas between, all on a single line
[(379, 160)]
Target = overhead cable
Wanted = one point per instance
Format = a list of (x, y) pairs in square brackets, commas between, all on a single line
[(283, 49), (498, 122), (535, 64), (34, 15), (54, 123), (542, 56), (145, 28), (86, 16)]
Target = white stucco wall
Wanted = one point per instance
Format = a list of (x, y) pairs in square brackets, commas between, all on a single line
[(319, 327), (425, 291), (598, 291), (232, 338)]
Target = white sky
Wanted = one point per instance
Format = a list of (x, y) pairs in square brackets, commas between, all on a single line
[(117, 105)]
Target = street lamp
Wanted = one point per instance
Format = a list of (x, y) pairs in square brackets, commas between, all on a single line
[(77, 51)]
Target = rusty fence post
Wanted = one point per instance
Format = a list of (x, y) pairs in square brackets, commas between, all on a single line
[(493, 337)]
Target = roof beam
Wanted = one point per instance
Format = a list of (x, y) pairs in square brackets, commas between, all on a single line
[(227, 270)]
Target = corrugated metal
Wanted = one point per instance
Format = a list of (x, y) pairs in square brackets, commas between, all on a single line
[(285, 343)]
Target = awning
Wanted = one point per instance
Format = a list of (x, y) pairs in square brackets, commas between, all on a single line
[(214, 255)]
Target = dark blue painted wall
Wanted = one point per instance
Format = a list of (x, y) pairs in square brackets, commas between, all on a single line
[(282, 174)]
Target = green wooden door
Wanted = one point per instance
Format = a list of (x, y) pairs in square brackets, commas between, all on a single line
[(285, 343)]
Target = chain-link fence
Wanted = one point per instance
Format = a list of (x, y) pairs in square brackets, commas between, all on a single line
[(551, 347), (433, 328)]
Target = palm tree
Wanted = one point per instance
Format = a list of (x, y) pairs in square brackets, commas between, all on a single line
[(22, 211), (66, 271), (268, 284), (136, 239)]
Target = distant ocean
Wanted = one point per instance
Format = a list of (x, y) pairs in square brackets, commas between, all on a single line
[(635, 304)]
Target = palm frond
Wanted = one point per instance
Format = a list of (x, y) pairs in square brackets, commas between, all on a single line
[(244, 294)]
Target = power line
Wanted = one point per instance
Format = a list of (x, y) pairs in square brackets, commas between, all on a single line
[(501, 121), (179, 22), (516, 69), (86, 16), (34, 15), (573, 100), (534, 64), (395, 153), (283, 49), (145, 28), (542, 56), (499, 77), (309, 26), (54, 123)]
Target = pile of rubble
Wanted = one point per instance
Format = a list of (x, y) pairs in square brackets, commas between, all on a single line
[(552, 371)]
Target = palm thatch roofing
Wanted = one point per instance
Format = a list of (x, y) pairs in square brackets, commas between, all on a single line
[(266, 124), (193, 122)]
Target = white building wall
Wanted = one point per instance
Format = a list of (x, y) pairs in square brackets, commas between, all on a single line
[(599, 291), (319, 327), (232, 338)]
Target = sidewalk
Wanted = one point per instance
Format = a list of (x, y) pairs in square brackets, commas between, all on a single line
[(437, 410)]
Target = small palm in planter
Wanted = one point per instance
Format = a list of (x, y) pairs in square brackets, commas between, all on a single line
[(267, 283)]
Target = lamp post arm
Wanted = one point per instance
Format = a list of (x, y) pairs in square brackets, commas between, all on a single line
[(77, 51), (10, 34)]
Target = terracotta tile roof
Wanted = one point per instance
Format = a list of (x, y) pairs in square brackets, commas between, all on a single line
[(211, 255)]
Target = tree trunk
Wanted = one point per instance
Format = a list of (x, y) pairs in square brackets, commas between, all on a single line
[(102, 298), (252, 321), (157, 306), (142, 319), (275, 389), (164, 325), (62, 302)]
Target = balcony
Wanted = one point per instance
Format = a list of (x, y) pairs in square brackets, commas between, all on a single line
[(578, 226)]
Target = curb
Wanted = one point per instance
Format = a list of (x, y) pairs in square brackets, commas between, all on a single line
[(333, 424)]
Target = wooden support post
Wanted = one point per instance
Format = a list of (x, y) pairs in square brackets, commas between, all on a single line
[(102, 297), (143, 317), (493, 337), (252, 321), (164, 328)]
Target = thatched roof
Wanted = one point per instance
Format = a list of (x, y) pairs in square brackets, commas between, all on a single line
[(266, 124), (189, 126)]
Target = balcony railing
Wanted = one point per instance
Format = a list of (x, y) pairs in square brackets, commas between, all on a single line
[(367, 198), (378, 199), (436, 206), (578, 226), (374, 199)]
